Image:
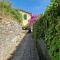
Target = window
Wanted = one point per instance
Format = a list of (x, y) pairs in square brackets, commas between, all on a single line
[(25, 16)]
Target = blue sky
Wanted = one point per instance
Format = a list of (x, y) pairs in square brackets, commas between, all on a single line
[(33, 6)]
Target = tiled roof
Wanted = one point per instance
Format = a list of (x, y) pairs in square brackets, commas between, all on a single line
[(24, 11)]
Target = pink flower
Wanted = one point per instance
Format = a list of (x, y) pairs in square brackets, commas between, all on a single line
[(32, 20)]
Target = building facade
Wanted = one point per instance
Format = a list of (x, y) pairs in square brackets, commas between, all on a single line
[(26, 16)]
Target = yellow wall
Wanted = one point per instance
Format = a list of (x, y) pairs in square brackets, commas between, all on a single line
[(25, 22)]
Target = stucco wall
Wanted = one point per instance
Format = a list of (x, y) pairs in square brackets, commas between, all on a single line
[(25, 22)]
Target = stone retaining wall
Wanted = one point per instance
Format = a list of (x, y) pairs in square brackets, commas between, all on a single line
[(10, 36)]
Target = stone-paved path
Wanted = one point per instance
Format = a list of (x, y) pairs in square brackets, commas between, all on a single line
[(12, 35), (26, 50)]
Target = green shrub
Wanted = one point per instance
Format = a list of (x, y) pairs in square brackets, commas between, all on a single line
[(5, 7), (48, 28)]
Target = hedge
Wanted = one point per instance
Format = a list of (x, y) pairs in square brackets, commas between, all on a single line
[(48, 28)]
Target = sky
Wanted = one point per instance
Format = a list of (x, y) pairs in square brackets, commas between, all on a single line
[(33, 6)]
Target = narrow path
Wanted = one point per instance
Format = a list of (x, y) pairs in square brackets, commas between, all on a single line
[(26, 50)]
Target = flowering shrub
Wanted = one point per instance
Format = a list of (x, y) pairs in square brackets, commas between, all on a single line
[(32, 20)]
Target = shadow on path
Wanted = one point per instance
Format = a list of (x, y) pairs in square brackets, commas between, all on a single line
[(26, 50)]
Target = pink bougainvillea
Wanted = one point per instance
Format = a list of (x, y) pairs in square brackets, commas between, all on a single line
[(32, 20)]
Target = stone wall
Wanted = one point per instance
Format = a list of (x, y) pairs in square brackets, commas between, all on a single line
[(10, 37)]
